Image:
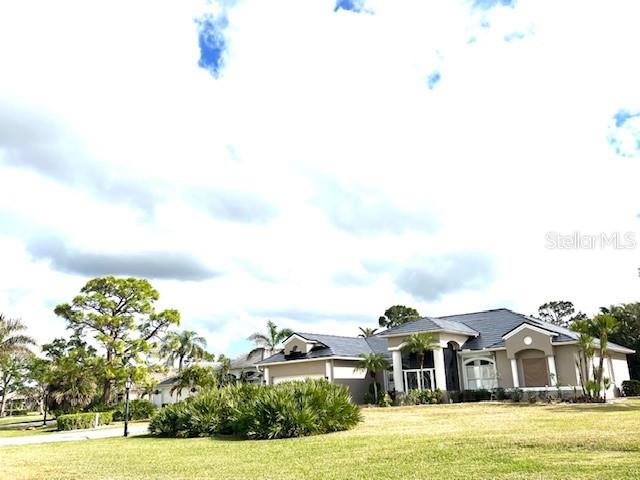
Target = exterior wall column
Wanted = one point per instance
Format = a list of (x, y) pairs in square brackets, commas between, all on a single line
[(514, 373), (553, 374), (328, 368), (438, 363), (267, 377), (398, 377)]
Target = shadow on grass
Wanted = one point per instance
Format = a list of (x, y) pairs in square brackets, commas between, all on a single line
[(218, 438), (598, 407)]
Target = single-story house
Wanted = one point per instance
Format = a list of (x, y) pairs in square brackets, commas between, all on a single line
[(481, 350), (243, 367)]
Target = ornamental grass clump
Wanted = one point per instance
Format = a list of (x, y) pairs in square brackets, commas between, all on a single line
[(286, 410)]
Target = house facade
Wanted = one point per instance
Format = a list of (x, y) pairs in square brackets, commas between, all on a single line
[(242, 368), (481, 350)]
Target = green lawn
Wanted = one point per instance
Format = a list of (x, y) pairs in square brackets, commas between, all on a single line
[(443, 441), (20, 419), (20, 432)]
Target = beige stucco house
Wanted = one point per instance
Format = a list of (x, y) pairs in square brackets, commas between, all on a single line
[(481, 350)]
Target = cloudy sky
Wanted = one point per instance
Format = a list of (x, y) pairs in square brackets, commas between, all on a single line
[(316, 162)]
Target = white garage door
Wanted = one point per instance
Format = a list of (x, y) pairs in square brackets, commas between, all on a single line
[(293, 378)]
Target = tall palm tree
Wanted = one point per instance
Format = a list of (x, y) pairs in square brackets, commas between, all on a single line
[(367, 332), (271, 339), (605, 325), (586, 351), (419, 343), (183, 345), (11, 338), (14, 348), (373, 362), (192, 378)]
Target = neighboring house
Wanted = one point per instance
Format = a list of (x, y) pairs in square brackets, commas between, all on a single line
[(245, 366), (309, 355), (242, 368), (490, 349)]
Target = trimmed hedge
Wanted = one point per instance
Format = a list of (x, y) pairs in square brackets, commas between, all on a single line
[(631, 388), (292, 409), (471, 395), (420, 397), (77, 421), (139, 409), (17, 413)]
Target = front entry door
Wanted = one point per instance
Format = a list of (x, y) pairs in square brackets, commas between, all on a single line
[(535, 372), (451, 369)]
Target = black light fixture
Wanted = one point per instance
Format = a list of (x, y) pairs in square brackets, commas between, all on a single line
[(127, 386)]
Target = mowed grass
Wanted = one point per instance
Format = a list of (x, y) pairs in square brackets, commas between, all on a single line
[(20, 419), (22, 431), (469, 441)]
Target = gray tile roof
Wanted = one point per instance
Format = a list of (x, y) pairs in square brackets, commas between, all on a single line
[(431, 324), (493, 324), (247, 360), (485, 330), (336, 346)]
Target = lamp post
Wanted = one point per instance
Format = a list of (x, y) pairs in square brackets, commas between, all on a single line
[(127, 386), (45, 401)]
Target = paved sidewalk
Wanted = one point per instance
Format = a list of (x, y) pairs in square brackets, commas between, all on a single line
[(134, 429)]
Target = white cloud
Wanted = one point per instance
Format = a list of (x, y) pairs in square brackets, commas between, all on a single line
[(510, 144)]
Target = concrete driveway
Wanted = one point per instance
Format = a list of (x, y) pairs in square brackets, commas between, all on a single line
[(106, 432)]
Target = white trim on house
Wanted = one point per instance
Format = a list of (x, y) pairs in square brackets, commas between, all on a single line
[(563, 388), (301, 360), (439, 330), (399, 347), (295, 335), (531, 327), (614, 348), (480, 350), (481, 380)]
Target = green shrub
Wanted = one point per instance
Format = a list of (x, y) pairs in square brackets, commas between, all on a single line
[(631, 388), (285, 410), (139, 409), (476, 395), (77, 421), (420, 397), (455, 396), (385, 400), (16, 413), (516, 394), (501, 393)]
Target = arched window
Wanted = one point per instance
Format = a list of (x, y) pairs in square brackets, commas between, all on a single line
[(480, 373)]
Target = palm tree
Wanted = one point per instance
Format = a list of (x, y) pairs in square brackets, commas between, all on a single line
[(193, 377), (419, 343), (76, 389), (271, 339), (11, 340), (373, 362), (183, 345), (585, 357), (14, 347), (605, 324), (367, 332)]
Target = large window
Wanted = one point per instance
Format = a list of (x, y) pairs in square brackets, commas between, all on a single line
[(480, 373)]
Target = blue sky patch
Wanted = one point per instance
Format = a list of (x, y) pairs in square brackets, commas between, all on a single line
[(433, 79), (623, 115), (489, 4), (357, 6), (510, 37), (212, 43), (624, 133)]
